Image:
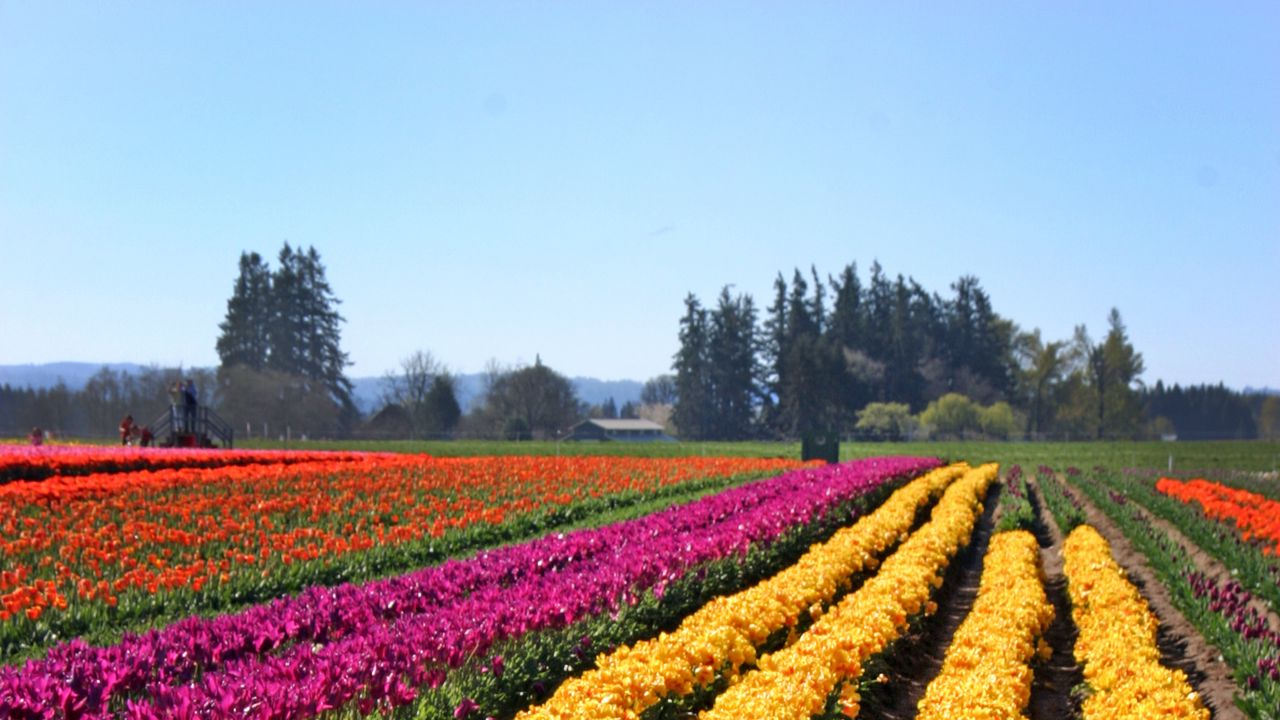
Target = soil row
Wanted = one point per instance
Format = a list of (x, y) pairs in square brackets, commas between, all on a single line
[(894, 686), (1181, 645)]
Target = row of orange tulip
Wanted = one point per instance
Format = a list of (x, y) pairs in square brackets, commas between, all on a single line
[(25, 462), (1116, 645), (85, 541), (1256, 516), (722, 637), (987, 672), (796, 681)]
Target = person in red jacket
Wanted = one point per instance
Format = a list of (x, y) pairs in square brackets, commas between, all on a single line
[(126, 429)]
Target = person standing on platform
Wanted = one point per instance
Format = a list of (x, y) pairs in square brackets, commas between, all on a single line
[(175, 404), (189, 405)]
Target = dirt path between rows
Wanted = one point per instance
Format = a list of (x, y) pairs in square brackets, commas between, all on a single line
[(913, 661), (1209, 565), (1051, 688), (1181, 645)]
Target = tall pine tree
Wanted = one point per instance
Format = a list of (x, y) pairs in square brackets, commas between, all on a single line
[(694, 406), (322, 357), (286, 322), (246, 330), (773, 348), (731, 351)]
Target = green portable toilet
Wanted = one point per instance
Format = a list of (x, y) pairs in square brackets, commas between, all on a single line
[(820, 446)]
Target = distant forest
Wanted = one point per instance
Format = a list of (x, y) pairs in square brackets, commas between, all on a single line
[(884, 360), (891, 360)]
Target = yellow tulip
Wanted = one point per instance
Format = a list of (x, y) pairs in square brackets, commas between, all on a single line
[(724, 634), (986, 667), (1117, 639), (795, 682)]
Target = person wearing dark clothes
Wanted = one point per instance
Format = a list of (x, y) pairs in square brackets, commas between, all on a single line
[(126, 429), (189, 403)]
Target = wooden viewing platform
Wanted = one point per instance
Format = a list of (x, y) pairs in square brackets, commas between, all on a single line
[(201, 428)]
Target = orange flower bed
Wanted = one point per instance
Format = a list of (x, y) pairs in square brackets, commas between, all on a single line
[(1256, 516), (19, 462), (86, 542)]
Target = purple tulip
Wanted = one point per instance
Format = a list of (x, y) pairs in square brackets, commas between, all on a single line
[(374, 644)]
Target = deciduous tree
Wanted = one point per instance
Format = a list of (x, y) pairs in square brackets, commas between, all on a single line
[(534, 399)]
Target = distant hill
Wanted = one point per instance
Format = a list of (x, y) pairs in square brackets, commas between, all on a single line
[(74, 374), (367, 390)]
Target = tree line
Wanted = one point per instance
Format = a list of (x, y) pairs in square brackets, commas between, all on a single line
[(890, 359), (281, 356), (887, 359), (519, 402), (282, 370)]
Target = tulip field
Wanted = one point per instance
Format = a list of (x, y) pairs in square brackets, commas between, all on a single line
[(275, 584)]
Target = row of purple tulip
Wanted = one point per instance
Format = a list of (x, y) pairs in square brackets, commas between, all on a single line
[(1237, 606), (374, 644)]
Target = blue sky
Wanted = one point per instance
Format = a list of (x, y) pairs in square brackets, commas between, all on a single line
[(498, 181)]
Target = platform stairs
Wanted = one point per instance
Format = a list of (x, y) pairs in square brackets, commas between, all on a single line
[(201, 428)]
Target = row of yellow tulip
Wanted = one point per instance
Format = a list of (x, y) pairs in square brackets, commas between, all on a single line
[(796, 681), (721, 637), (986, 673), (1117, 641)]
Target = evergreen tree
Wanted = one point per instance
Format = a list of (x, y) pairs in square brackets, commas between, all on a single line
[(693, 409), (812, 367), (443, 410), (879, 326), (731, 353), (903, 380), (1203, 412), (323, 358), (287, 330), (305, 338), (818, 307), (285, 324), (773, 347), (978, 343), (629, 411), (1104, 401), (245, 331), (858, 382), (609, 409), (1122, 365), (800, 310), (847, 312)]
